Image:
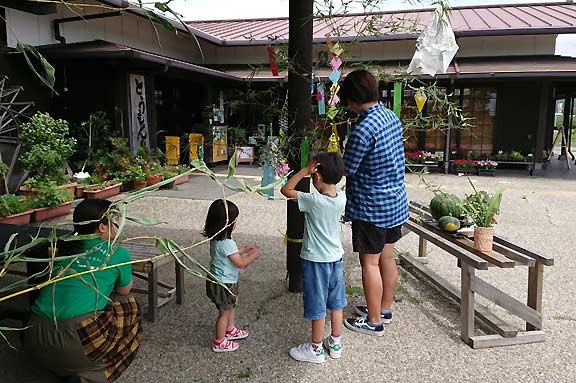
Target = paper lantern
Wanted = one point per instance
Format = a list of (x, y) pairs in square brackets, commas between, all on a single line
[(420, 98)]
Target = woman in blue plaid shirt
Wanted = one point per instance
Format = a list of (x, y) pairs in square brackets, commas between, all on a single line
[(376, 204)]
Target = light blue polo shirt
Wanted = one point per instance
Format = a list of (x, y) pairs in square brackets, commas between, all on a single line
[(220, 264), (322, 226)]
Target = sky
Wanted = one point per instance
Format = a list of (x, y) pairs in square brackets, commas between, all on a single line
[(242, 9)]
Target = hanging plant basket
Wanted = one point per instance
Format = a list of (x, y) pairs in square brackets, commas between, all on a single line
[(46, 213), (18, 219), (107, 192)]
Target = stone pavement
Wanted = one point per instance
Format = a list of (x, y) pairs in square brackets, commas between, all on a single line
[(421, 345)]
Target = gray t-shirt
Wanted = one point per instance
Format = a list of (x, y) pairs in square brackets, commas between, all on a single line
[(220, 264), (322, 229)]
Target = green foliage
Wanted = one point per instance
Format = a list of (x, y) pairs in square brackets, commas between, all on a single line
[(481, 207), (355, 291), (94, 140), (47, 146), (48, 195), (11, 204), (114, 162), (135, 173), (3, 168), (45, 72)]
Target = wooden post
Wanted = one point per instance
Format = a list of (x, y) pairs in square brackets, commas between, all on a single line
[(422, 250), (466, 303), (179, 283), (153, 294), (299, 114), (448, 133), (535, 284)]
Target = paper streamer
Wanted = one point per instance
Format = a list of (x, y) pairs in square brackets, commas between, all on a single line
[(334, 100), (304, 152), (334, 76), (332, 112), (335, 63), (312, 83), (320, 98), (334, 141), (397, 98), (272, 59)]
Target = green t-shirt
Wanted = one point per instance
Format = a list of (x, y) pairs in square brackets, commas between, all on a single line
[(86, 293)]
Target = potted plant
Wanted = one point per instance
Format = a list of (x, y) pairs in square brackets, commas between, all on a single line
[(103, 189), (463, 166), (136, 176), (501, 156), (14, 210), (153, 173), (50, 202), (516, 156), (486, 168), (46, 150), (481, 208)]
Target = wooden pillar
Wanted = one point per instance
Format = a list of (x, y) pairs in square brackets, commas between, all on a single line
[(535, 284), (299, 114), (448, 132)]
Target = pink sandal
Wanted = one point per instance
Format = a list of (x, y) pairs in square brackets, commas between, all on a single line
[(236, 334), (224, 346)]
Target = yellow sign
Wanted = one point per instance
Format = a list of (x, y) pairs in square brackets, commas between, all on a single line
[(173, 150), (196, 146)]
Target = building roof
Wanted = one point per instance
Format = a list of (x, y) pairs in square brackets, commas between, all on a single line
[(470, 68), (547, 18)]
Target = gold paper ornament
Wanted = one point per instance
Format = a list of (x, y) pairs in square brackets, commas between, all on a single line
[(334, 141), (420, 98)]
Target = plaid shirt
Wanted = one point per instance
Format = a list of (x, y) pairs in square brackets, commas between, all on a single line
[(374, 158)]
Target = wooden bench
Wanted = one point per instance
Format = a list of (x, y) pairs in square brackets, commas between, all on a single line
[(504, 255), (148, 271)]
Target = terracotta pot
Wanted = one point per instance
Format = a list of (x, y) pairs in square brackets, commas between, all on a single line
[(18, 219), (182, 180), (483, 238), (52, 212), (107, 192), (153, 180), (140, 185)]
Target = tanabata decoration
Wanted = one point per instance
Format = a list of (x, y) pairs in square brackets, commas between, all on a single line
[(272, 59), (304, 152), (334, 141), (420, 98), (436, 46), (332, 112), (397, 98), (320, 98)]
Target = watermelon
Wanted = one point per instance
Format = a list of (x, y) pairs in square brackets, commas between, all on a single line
[(449, 224), (444, 204)]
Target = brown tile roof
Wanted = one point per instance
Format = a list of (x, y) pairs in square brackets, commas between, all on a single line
[(543, 18)]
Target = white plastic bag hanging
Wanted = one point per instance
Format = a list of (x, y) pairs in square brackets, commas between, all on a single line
[(436, 46)]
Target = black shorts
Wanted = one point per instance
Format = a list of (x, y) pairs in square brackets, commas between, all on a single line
[(370, 239), (222, 297)]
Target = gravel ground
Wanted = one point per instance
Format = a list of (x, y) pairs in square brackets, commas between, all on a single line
[(422, 344)]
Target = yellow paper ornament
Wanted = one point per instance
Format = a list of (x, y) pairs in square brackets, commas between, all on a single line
[(420, 98), (334, 141)]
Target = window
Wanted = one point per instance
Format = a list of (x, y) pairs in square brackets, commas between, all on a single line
[(479, 105)]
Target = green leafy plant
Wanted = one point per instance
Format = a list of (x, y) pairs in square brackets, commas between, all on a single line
[(49, 196), (481, 207), (11, 204), (516, 156), (3, 168), (47, 147), (136, 174)]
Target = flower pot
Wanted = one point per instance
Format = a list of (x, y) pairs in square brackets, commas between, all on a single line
[(153, 180), (79, 191), (18, 219), (487, 172), (52, 212), (483, 238), (107, 192), (31, 192), (182, 180), (467, 172), (139, 185)]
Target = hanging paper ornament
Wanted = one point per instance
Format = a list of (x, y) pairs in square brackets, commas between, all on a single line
[(272, 59), (334, 100), (312, 83), (304, 150), (335, 63), (420, 98), (334, 76), (332, 112), (397, 98), (336, 49), (320, 98), (334, 141)]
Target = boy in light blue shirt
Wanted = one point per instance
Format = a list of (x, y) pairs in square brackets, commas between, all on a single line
[(322, 265)]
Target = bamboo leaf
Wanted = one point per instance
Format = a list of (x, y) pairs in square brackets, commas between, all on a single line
[(162, 21), (232, 165), (48, 77), (145, 221)]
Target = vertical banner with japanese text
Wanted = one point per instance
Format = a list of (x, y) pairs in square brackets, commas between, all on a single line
[(139, 130)]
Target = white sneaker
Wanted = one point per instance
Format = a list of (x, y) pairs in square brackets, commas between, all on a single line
[(306, 353), (334, 348)]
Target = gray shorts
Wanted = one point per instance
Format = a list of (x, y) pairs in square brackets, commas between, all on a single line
[(222, 297)]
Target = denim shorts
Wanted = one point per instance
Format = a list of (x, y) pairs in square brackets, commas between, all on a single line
[(324, 288)]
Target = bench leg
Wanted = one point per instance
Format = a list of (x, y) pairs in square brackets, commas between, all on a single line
[(466, 303), (153, 294), (179, 283), (535, 284), (422, 250)]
